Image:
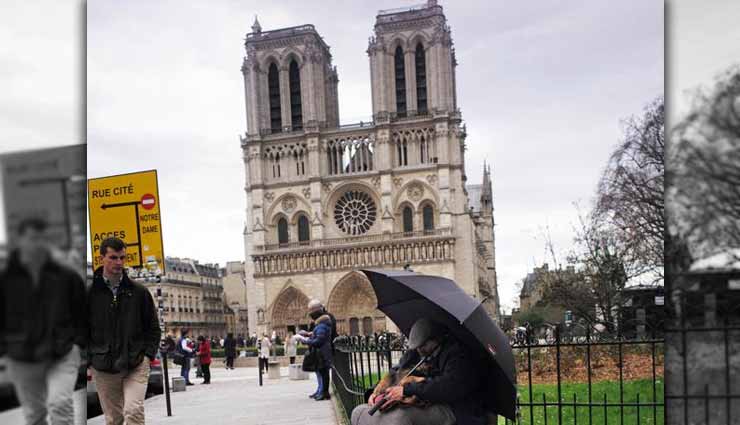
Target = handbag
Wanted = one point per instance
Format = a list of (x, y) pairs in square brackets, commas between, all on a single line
[(310, 360)]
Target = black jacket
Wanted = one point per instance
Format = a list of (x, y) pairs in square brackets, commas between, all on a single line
[(41, 323), (122, 330), (451, 379), (230, 347)]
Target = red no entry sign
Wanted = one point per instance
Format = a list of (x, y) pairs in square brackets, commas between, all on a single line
[(148, 201)]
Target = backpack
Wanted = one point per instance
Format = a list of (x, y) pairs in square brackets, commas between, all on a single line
[(178, 355)]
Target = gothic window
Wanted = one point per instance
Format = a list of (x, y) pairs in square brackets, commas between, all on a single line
[(273, 86), (400, 82), (408, 220), (367, 325), (351, 155), (304, 234), (296, 115), (354, 326), (421, 79), (428, 215), (402, 152), (282, 228), (355, 212)]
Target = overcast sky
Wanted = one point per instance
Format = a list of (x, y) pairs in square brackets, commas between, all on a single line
[(542, 87)]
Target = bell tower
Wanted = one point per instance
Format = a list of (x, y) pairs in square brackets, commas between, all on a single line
[(289, 81), (412, 62)]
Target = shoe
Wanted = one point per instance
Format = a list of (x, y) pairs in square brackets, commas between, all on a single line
[(189, 383), (313, 395), (323, 397)]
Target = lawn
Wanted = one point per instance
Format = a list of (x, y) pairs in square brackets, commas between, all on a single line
[(599, 390)]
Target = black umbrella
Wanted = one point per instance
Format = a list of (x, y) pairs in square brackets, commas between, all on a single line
[(407, 296)]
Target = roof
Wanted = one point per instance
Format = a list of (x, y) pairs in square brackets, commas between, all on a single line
[(726, 261)]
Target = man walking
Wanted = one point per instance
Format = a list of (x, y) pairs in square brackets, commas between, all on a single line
[(42, 327), (124, 336)]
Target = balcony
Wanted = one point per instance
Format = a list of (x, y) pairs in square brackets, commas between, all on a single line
[(354, 240), (382, 250)]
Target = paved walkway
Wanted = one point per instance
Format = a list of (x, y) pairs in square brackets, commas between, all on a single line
[(235, 397)]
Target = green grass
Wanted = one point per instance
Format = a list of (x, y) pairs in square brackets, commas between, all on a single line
[(598, 390)]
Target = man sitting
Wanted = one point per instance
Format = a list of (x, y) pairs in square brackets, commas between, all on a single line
[(448, 391)]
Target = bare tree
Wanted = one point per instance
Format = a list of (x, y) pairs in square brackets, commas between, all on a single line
[(596, 271), (704, 164), (630, 193)]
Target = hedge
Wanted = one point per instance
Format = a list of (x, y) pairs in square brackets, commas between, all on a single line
[(253, 352)]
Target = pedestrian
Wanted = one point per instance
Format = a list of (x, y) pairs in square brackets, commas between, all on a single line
[(204, 355), (319, 340), (186, 349), (230, 350), (196, 359), (449, 390), (42, 326), (265, 346), (291, 347), (124, 337), (315, 310)]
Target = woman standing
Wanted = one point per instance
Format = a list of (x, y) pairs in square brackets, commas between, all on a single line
[(320, 340), (204, 354), (230, 350), (265, 346)]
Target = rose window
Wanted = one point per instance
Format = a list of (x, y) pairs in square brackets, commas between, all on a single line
[(355, 212)]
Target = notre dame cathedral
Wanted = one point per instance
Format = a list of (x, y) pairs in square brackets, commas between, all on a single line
[(325, 200)]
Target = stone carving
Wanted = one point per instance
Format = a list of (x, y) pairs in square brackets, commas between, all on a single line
[(269, 196), (432, 179), (376, 181), (398, 181), (258, 225), (307, 192), (289, 203), (327, 186), (415, 191)]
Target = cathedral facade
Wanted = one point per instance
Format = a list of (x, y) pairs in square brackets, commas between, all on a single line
[(326, 200)]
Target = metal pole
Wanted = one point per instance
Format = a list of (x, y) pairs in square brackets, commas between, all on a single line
[(160, 308)]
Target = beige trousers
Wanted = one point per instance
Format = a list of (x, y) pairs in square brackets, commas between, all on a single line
[(122, 394)]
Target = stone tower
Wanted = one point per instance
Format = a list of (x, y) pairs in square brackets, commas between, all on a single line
[(325, 201)]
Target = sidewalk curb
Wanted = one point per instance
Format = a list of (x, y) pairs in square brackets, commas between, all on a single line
[(340, 416)]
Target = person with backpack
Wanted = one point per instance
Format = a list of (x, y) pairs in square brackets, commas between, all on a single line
[(319, 340), (184, 348)]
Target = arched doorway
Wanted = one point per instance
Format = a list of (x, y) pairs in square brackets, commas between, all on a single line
[(353, 302), (289, 312)]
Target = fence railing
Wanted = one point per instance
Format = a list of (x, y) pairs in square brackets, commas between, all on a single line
[(704, 334), (565, 380)]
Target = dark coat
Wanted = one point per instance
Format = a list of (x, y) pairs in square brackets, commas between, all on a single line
[(451, 379), (41, 323), (230, 347), (124, 330), (320, 341)]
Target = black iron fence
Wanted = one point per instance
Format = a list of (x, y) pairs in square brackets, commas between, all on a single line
[(588, 379), (703, 362)]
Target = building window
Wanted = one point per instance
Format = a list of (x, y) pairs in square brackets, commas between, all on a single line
[(402, 152), (273, 85), (355, 212), (408, 220), (428, 216), (296, 115), (367, 325), (304, 233), (400, 68), (421, 79), (282, 231), (354, 326)]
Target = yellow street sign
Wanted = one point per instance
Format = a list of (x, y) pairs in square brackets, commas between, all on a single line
[(127, 206)]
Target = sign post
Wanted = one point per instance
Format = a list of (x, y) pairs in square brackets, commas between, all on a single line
[(126, 206)]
